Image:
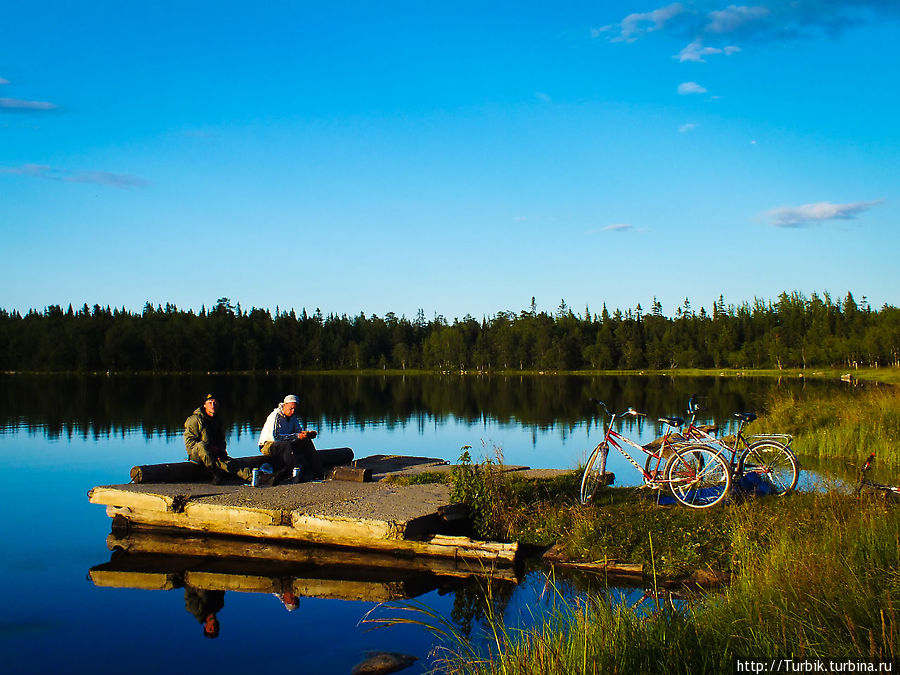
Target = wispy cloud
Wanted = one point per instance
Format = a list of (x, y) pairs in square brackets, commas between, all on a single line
[(635, 25), (810, 214), (684, 128), (116, 180), (541, 96), (617, 227), (3, 81), (711, 27), (696, 50), (733, 17), (686, 88), (25, 106)]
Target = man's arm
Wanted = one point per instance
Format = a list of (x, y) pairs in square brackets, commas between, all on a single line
[(192, 434), (286, 428)]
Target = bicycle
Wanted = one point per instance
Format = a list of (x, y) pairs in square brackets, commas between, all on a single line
[(863, 482), (697, 475), (768, 457)]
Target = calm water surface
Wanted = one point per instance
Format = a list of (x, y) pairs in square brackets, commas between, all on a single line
[(60, 436)]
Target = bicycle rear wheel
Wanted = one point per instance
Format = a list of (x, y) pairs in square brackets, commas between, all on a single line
[(591, 479), (773, 463), (698, 476)]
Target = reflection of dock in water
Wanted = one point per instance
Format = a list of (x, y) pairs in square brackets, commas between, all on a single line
[(400, 522), (154, 560)]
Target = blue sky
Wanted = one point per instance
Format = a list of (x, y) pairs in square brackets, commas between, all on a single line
[(459, 158)]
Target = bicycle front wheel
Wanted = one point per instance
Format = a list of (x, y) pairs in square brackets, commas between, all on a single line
[(591, 479), (698, 476), (773, 464)]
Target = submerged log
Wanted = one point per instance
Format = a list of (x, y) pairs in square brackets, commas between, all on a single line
[(187, 472), (556, 556)]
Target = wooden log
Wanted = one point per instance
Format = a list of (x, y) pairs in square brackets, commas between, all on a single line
[(352, 473), (609, 567), (612, 567), (240, 555), (187, 472), (165, 572), (453, 512), (145, 581), (369, 535)]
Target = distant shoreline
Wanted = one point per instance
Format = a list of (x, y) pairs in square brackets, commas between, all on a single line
[(887, 375)]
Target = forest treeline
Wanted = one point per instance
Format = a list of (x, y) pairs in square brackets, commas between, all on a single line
[(792, 331)]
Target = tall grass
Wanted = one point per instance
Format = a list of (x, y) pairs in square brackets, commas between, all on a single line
[(818, 578), (843, 425), (813, 574)]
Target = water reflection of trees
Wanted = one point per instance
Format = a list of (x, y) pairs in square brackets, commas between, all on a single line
[(480, 600), (103, 406)]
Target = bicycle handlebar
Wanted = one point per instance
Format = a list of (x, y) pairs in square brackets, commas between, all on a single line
[(693, 407), (629, 411)]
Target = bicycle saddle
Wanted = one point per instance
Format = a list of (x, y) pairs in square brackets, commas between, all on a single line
[(672, 421), (746, 418)]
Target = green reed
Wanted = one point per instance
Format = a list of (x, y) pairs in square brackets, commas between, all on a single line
[(844, 425), (816, 575)]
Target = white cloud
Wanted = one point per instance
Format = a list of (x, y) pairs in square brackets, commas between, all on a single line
[(807, 214), (20, 104), (691, 88), (695, 51), (733, 18), (618, 227), (4, 81), (541, 96), (684, 128), (635, 25), (731, 49), (116, 180), (597, 32)]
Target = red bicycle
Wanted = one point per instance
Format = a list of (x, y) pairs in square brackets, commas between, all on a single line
[(696, 474), (766, 457)]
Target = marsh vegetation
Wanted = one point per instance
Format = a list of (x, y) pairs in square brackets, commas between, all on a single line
[(813, 574)]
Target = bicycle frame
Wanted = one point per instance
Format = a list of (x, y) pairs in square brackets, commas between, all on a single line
[(613, 438), (699, 477), (740, 443)]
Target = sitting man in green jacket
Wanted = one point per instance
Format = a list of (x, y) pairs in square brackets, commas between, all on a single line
[(204, 440)]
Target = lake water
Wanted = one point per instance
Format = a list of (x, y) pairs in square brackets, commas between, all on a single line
[(61, 435)]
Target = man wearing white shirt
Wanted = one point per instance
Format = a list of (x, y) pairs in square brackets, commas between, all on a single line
[(287, 443)]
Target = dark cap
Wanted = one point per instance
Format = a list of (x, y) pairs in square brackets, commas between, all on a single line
[(210, 397)]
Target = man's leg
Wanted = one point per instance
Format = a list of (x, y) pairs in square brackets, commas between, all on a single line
[(218, 461), (310, 457), (280, 454)]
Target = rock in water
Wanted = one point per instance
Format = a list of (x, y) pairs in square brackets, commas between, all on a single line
[(379, 663)]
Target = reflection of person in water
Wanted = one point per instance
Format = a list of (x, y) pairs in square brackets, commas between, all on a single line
[(204, 605), (291, 601)]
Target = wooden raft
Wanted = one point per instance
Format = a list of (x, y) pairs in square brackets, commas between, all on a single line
[(377, 516)]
